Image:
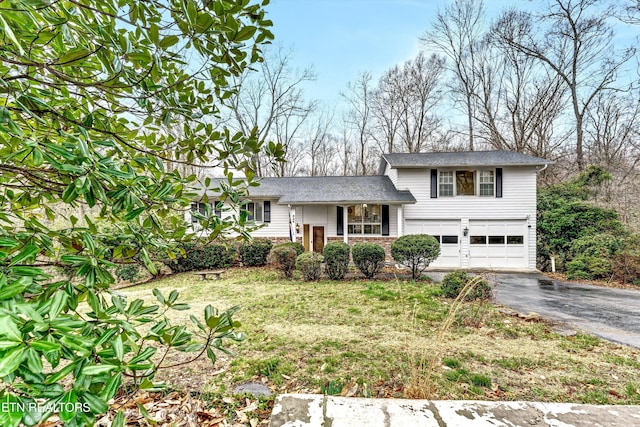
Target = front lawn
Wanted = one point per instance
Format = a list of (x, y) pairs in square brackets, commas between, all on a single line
[(366, 338)]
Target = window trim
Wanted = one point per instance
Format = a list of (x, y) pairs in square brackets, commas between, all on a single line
[(362, 224), (452, 174)]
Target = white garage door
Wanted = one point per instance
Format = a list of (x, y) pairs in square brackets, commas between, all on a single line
[(447, 232), (498, 244)]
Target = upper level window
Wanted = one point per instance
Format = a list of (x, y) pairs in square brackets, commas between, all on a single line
[(487, 182), (364, 219), (446, 183), (466, 183)]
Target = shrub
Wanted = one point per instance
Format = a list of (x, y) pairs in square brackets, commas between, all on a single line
[(415, 251), (336, 257), (369, 258), (625, 265), (202, 257), (588, 268), (310, 263), (255, 252), (453, 283), (298, 247), (284, 257), (596, 245), (129, 272)]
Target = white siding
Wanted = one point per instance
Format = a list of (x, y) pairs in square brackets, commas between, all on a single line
[(392, 174), (279, 225), (518, 203)]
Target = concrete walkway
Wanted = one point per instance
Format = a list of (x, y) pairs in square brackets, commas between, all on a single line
[(314, 410)]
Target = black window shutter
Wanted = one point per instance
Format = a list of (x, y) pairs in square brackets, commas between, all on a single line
[(434, 183), (498, 182), (385, 220), (267, 211), (340, 221), (217, 208)]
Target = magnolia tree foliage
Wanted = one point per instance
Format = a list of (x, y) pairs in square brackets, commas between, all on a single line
[(91, 96)]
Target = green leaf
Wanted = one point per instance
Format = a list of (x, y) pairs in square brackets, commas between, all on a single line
[(96, 404), (245, 33), (45, 346), (15, 288), (57, 376), (9, 329), (67, 408), (29, 251), (34, 361), (145, 414), (168, 41), (11, 415), (73, 55), (118, 347), (11, 360), (58, 303), (98, 369), (118, 420), (111, 387)]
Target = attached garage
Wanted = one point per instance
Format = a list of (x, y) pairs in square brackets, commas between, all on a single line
[(487, 244), (498, 244), (447, 232)]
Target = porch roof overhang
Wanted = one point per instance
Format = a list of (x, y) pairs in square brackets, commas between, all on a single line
[(334, 190)]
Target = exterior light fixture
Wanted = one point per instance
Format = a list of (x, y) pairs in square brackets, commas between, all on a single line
[(297, 227), (465, 231)]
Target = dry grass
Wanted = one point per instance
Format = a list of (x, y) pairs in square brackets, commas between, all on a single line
[(371, 338)]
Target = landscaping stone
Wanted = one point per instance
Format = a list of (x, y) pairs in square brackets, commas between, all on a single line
[(253, 388)]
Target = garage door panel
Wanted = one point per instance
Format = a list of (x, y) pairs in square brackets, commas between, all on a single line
[(447, 232), (500, 244)]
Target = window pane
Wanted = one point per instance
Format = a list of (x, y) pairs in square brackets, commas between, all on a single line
[(445, 187), (258, 213), (465, 184), (515, 240), (450, 240), (478, 240), (437, 238), (496, 240), (251, 207)]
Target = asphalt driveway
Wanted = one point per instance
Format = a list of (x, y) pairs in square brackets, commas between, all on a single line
[(612, 314)]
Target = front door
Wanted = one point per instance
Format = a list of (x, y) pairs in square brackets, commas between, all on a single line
[(318, 239)]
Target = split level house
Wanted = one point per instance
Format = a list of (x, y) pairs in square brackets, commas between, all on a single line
[(480, 206)]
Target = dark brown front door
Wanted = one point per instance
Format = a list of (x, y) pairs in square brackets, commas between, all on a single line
[(318, 239)]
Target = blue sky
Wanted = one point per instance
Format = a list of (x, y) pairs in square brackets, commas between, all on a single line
[(341, 38)]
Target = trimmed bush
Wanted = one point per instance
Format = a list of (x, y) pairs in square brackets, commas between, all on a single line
[(454, 282), (202, 258), (310, 264), (284, 257), (128, 272), (369, 258), (255, 252), (298, 247), (588, 268), (336, 258), (415, 251)]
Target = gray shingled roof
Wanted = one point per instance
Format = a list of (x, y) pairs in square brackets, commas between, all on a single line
[(331, 190), (461, 158)]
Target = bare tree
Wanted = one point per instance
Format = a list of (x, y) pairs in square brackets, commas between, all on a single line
[(457, 31), (519, 103), (387, 110), (577, 46), (271, 101), (359, 118), (322, 146)]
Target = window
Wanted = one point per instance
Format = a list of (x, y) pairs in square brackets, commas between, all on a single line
[(255, 211), (486, 183), (496, 240), (205, 209), (364, 219), (465, 183), (478, 240), (445, 187), (515, 240), (450, 240), (200, 208)]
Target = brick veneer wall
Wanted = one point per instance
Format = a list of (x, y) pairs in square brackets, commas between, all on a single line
[(278, 240), (385, 242)]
